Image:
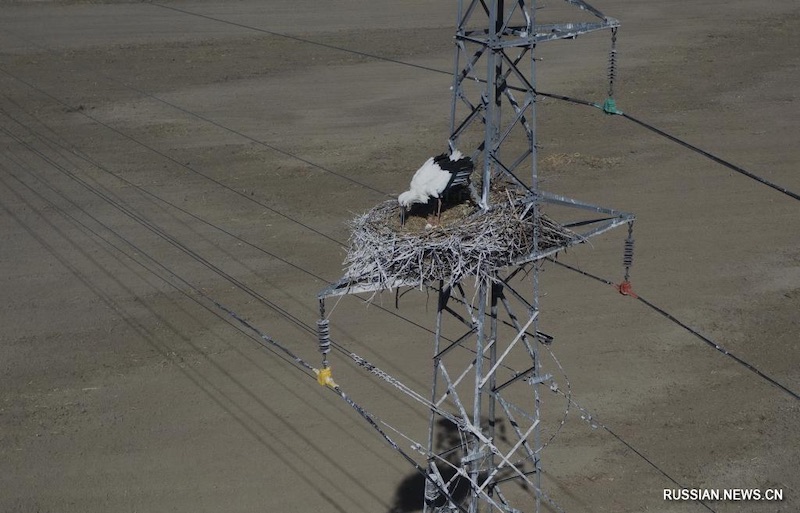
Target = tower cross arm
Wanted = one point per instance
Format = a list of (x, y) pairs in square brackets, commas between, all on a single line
[(552, 31), (519, 37)]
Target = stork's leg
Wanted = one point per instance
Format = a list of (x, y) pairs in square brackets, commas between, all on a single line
[(439, 212)]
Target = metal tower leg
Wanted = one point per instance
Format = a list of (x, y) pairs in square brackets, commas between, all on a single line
[(481, 459)]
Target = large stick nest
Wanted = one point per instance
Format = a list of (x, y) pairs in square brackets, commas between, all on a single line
[(467, 242)]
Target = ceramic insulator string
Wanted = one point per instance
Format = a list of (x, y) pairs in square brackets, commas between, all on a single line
[(627, 258), (324, 335), (612, 63)]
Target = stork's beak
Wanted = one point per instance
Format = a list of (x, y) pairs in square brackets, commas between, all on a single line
[(402, 215)]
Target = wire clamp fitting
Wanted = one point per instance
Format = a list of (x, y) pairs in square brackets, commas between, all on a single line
[(610, 106), (626, 289), (325, 377)]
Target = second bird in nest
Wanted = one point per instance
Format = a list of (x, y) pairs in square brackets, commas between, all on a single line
[(436, 177)]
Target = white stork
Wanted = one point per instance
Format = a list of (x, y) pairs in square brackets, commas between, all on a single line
[(436, 176)]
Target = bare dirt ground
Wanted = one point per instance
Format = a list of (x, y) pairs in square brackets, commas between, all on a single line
[(121, 389)]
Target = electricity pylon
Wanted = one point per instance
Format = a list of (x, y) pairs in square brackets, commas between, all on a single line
[(484, 430)]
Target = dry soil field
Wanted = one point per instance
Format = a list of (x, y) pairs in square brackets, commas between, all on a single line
[(148, 153)]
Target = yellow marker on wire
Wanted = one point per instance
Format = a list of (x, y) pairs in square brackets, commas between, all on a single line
[(325, 377)]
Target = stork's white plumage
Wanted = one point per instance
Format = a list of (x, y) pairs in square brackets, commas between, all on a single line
[(435, 177)]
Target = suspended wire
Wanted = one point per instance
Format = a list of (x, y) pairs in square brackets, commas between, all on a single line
[(713, 157), (419, 468), (213, 180), (565, 98), (295, 320), (612, 73), (99, 166), (371, 419), (340, 348), (555, 96), (685, 326), (201, 117), (298, 361), (263, 340), (592, 420), (283, 353), (168, 157), (718, 347), (194, 216), (299, 39), (270, 343), (266, 341), (160, 233), (52, 143), (137, 249)]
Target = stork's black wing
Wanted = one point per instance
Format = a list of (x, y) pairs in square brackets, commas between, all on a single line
[(460, 170)]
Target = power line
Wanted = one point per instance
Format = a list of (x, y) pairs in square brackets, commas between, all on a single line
[(208, 177), (561, 97), (286, 353), (206, 119), (685, 326), (592, 420), (713, 157), (168, 157), (153, 228), (293, 156), (718, 347), (307, 327), (635, 451), (266, 341), (137, 249), (300, 39), (368, 417), (150, 194), (161, 233)]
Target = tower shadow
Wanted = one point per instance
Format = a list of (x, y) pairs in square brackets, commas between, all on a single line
[(410, 493)]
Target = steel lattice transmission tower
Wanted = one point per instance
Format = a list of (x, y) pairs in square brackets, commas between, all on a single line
[(500, 55), (484, 431)]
